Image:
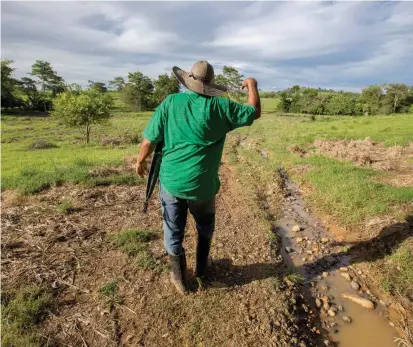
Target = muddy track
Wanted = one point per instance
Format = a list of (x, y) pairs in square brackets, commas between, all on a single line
[(309, 247), (246, 302)]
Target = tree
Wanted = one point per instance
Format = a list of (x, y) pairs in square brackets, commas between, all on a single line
[(98, 86), (51, 84), (232, 80), (396, 97), (118, 83), (8, 85), (370, 99), (138, 92), (164, 86), (34, 99), (82, 108)]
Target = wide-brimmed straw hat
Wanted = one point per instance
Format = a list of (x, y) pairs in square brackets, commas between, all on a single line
[(200, 80)]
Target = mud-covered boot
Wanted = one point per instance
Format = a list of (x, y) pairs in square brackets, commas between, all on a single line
[(202, 255), (178, 272)]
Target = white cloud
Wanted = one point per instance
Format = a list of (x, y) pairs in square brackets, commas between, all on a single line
[(341, 44)]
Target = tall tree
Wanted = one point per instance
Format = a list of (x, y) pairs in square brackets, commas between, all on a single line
[(48, 78), (51, 84), (232, 80), (8, 85), (118, 83), (164, 86), (98, 86), (396, 97), (370, 99), (34, 99), (138, 92)]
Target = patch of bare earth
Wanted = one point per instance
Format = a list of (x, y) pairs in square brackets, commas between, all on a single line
[(396, 160), (245, 302)]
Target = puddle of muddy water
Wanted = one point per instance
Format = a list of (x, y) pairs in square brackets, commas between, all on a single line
[(367, 328)]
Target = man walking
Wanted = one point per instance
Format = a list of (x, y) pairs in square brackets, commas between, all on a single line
[(192, 127)]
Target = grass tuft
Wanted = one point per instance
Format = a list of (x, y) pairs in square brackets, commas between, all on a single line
[(133, 241), (148, 261), (65, 207), (22, 311), (398, 271), (293, 276), (110, 291)]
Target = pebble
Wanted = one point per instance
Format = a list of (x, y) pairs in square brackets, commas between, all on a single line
[(324, 287), (359, 300), (299, 239), (331, 313), (340, 308), (309, 252), (334, 309), (355, 285), (326, 303), (296, 228), (347, 319), (327, 343), (346, 276), (343, 269), (324, 240), (325, 274), (318, 302), (288, 249)]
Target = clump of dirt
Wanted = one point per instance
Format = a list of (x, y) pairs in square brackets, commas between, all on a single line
[(298, 150), (396, 160), (10, 140), (108, 170), (41, 144), (123, 139)]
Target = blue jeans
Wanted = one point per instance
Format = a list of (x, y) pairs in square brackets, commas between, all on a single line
[(175, 212)]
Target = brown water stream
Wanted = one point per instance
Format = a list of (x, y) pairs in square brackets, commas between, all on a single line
[(311, 254)]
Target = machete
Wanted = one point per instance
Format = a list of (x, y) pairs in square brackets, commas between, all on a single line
[(153, 174)]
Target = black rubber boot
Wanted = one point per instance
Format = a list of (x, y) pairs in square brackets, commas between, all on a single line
[(202, 254), (178, 272)]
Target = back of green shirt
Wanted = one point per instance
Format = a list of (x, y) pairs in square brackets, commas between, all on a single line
[(193, 128)]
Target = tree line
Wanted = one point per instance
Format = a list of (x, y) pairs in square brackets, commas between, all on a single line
[(375, 99), (43, 85)]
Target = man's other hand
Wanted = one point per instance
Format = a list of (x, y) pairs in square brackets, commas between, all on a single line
[(140, 168)]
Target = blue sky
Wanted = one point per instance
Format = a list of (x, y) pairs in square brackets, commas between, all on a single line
[(340, 45)]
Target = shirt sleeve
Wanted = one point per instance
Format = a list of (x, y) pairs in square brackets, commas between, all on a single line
[(240, 115), (154, 131)]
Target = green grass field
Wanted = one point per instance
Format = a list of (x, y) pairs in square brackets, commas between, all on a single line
[(33, 170), (349, 193), (38, 153)]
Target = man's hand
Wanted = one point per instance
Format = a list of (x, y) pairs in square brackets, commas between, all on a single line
[(253, 96), (249, 83), (146, 148), (140, 168)]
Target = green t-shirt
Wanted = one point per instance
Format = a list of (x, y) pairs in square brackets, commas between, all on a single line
[(193, 128)]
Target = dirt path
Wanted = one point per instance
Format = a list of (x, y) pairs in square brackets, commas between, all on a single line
[(246, 302)]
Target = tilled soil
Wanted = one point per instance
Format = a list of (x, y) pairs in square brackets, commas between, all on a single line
[(246, 301), (396, 160)]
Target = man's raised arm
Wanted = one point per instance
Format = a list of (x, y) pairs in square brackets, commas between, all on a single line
[(253, 96)]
